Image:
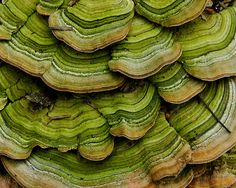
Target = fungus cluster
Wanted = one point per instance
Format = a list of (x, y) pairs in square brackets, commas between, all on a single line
[(118, 93)]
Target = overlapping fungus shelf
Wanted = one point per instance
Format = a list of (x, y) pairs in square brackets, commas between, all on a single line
[(208, 122), (219, 173), (209, 46), (90, 32), (146, 49), (31, 118), (35, 50), (86, 123), (160, 153), (13, 15), (170, 13), (131, 113), (47, 7), (181, 180), (175, 85), (141, 93)]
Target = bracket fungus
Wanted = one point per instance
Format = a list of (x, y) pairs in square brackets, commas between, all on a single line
[(160, 153), (47, 7), (13, 15), (183, 179), (208, 122), (79, 126), (146, 49), (86, 123), (91, 32), (217, 174), (35, 50), (136, 93), (131, 113), (209, 45), (175, 85), (170, 13)]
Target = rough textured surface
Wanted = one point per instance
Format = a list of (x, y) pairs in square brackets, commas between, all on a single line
[(7, 181), (170, 13), (146, 49), (209, 46), (220, 173), (91, 32), (175, 85)]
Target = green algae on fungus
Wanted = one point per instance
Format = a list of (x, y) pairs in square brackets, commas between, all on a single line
[(91, 32), (47, 7), (131, 113), (35, 50), (85, 122), (160, 153), (170, 13), (209, 46), (196, 124), (175, 85), (146, 49), (13, 15), (163, 151), (48, 131), (23, 126)]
